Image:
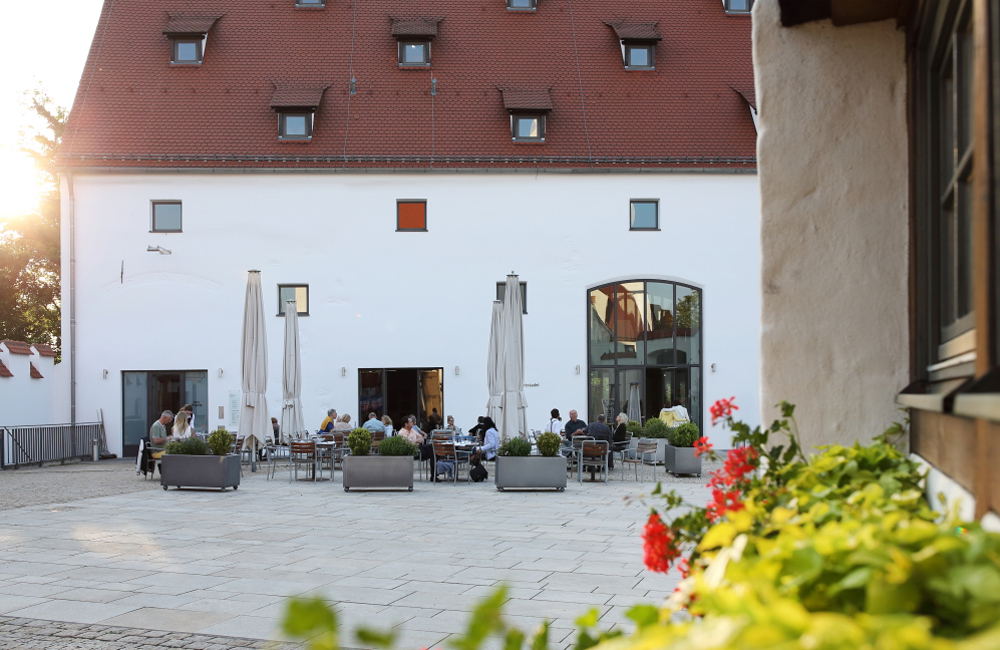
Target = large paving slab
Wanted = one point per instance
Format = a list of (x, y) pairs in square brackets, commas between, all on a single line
[(223, 564)]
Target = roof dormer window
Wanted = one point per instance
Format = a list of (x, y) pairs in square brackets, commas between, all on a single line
[(638, 41), (528, 108), (414, 36), (296, 107), (521, 5), (737, 6), (188, 36), (310, 3)]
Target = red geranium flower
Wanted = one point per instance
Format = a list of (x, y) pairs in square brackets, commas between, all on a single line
[(722, 408), (658, 547), (702, 446)]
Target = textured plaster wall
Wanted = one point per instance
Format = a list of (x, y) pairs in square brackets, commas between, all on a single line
[(832, 156)]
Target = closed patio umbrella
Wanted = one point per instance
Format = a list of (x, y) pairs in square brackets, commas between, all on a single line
[(634, 413), (494, 363), (513, 421), (291, 377), (254, 422)]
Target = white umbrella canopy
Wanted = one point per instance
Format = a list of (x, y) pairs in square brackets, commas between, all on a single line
[(634, 414), (494, 362), (255, 425), (513, 420), (291, 378)]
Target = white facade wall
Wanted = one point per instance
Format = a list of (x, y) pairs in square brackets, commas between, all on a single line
[(28, 401), (381, 298)]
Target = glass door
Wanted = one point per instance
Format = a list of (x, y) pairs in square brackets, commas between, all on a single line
[(135, 412)]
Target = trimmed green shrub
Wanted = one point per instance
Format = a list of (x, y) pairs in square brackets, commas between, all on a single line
[(684, 435), (634, 427), (220, 442), (187, 447), (359, 441), (548, 444), (655, 428), (515, 447), (396, 446)]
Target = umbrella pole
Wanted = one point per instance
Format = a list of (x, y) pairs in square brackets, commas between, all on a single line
[(253, 456)]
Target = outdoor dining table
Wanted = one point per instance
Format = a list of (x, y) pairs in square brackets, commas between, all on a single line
[(326, 448)]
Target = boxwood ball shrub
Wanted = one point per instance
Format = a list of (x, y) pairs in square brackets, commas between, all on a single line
[(634, 427), (684, 435), (655, 428), (220, 442), (396, 446), (187, 447), (515, 447), (548, 444), (359, 441)]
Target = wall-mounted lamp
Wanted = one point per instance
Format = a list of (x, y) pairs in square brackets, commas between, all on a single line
[(343, 371), (220, 372), (158, 249), (105, 374), (578, 370), (456, 370), (713, 367)]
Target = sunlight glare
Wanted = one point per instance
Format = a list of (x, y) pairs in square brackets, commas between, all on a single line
[(19, 184)]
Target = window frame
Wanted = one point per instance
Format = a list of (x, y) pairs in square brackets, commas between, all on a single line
[(401, 49), (533, 5), (199, 42), (626, 58), (284, 114), (152, 215), (631, 214), (524, 294), (514, 116), (400, 202), (319, 4), (281, 303), (737, 12)]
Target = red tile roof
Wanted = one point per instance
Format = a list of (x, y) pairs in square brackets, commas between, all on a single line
[(630, 30), (526, 99), (43, 349), (17, 347), (34, 372), (4, 371), (297, 95), (426, 27), (189, 24), (133, 109)]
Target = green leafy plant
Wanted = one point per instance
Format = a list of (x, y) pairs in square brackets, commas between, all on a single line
[(186, 447), (548, 444), (515, 447), (396, 446), (634, 427), (684, 435), (220, 442), (655, 428), (359, 441)]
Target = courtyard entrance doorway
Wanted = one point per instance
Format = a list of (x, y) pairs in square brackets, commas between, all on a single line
[(147, 393), (398, 392)]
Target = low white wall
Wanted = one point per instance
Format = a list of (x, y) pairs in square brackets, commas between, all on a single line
[(832, 159), (381, 298), (28, 401)]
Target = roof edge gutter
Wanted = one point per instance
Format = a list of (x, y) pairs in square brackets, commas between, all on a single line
[(623, 169)]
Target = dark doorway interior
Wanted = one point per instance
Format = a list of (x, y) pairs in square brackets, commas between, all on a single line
[(400, 392), (147, 393)]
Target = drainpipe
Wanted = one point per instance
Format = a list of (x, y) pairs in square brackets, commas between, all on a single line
[(72, 305)]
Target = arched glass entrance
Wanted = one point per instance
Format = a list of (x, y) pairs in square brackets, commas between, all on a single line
[(643, 339)]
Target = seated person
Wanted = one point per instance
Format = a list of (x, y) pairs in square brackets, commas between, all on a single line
[(600, 431), (413, 434), (434, 420), (574, 426), (344, 423), (157, 437), (491, 440), (328, 421), (621, 431), (387, 423), (478, 429), (181, 427), (373, 424), (450, 423)]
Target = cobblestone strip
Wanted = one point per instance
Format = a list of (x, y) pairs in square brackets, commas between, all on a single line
[(33, 634)]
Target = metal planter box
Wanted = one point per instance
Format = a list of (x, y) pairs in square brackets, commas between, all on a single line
[(208, 471), (389, 472), (531, 472), (681, 460)]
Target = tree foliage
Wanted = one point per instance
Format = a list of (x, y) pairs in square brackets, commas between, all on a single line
[(29, 244)]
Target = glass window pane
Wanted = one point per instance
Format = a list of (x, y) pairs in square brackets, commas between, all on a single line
[(413, 53), (630, 303), (521, 4), (601, 325), (739, 5), (527, 127), (963, 250), (688, 313), (622, 391), (659, 391), (302, 300), (167, 216), (964, 95), (638, 56), (187, 51), (196, 394), (135, 409), (660, 323), (502, 292), (295, 125), (947, 238), (946, 98), (644, 214), (599, 393)]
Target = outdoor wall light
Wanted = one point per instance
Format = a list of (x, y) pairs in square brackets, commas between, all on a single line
[(220, 372), (713, 367), (158, 249), (578, 370), (105, 374), (456, 370), (343, 371)]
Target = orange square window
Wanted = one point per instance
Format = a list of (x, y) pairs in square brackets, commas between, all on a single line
[(411, 215)]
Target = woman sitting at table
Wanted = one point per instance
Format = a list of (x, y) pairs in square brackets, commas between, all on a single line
[(450, 423), (387, 423), (181, 427), (491, 440), (344, 423), (621, 431)]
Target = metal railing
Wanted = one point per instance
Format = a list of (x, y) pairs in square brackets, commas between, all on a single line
[(36, 445)]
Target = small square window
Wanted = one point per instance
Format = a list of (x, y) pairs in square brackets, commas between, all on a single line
[(166, 216), (297, 292), (186, 50), (502, 292), (309, 3), (411, 214), (737, 6), (521, 5), (295, 125), (645, 215), (414, 53), (638, 56), (527, 128)]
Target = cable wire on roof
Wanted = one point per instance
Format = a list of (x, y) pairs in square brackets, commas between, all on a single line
[(579, 78), (347, 126)]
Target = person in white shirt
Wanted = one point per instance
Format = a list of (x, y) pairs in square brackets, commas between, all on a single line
[(680, 413), (491, 440), (555, 424), (181, 427)]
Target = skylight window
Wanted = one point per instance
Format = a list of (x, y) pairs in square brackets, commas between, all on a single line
[(638, 56), (295, 125), (186, 50), (521, 5), (527, 128), (414, 53)]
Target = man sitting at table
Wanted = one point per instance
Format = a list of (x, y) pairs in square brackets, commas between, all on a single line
[(574, 425), (600, 431), (373, 424), (411, 433), (329, 422)]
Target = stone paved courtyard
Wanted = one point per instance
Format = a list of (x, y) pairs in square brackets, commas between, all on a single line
[(208, 565)]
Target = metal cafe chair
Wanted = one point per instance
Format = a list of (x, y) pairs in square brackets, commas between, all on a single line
[(644, 454), (445, 452), (593, 455), (302, 453)]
